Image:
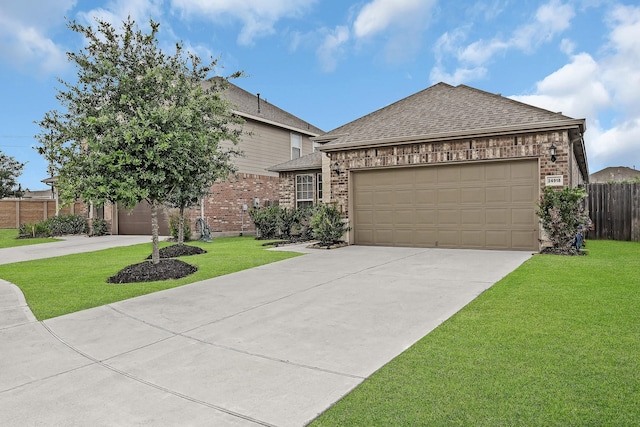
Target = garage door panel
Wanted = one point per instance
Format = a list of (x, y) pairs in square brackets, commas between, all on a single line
[(472, 238), (405, 218), (522, 194), (482, 205), (448, 195), (472, 174), (404, 197), (497, 194), (447, 217), (472, 195), (523, 239), (383, 218), (473, 217), (497, 216), (448, 238), (523, 217)]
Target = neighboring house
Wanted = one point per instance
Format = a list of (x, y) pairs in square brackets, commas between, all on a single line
[(271, 136), (614, 174), (452, 167)]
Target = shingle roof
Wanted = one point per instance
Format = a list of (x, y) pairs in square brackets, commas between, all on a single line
[(614, 174), (246, 104), (441, 109), (308, 162)]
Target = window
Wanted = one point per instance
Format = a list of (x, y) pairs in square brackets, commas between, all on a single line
[(304, 190), (319, 187), (296, 146)]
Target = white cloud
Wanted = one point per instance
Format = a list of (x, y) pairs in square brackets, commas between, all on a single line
[(550, 20), (605, 91), (460, 75), (23, 35), (258, 17), (117, 11), (332, 47), (378, 15)]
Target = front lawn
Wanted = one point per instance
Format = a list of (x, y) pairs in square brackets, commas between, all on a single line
[(57, 286), (9, 239), (555, 343)]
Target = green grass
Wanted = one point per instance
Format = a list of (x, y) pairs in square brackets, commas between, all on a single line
[(9, 239), (555, 343), (57, 286)]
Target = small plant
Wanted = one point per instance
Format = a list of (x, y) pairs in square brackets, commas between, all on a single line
[(34, 230), (174, 227), (303, 222), (327, 225), (287, 219), (99, 227), (563, 216)]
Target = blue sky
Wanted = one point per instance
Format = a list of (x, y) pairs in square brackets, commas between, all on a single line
[(330, 62)]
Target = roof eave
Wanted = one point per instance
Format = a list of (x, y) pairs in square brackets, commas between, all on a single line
[(474, 133), (274, 123)]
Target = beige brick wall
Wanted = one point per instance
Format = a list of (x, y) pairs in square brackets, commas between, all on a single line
[(535, 145)]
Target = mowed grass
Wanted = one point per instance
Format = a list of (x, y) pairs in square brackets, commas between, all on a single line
[(57, 286), (555, 343), (9, 239)]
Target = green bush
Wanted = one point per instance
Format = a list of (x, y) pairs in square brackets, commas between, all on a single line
[(303, 222), (287, 219), (34, 229), (267, 221), (327, 225), (67, 224), (174, 227), (54, 226), (99, 227), (563, 215)]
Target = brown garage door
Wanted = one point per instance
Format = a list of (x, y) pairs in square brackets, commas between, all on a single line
[(137, 221), (482, 205)]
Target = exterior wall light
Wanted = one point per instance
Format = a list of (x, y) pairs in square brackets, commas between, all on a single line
[(552, 151), (336, 168)]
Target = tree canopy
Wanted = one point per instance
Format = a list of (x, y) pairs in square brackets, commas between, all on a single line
[(10, 170), (138, 124)]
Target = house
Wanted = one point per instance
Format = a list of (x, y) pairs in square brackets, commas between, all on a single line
[(450, 166), (271, 136), (614, 174)]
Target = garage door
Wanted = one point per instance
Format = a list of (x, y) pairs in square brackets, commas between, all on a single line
[(482, 206), (137, 221)]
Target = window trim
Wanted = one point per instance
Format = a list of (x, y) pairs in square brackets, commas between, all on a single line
[(296, 144), (310, 188)]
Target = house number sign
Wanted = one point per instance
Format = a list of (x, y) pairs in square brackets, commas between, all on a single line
[(554, 180)]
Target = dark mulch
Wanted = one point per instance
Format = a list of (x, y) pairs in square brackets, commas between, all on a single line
[(334, 245), (568, 252), (175, 251), (149, 272)]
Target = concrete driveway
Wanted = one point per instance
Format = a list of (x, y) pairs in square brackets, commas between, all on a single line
[(274, 345)]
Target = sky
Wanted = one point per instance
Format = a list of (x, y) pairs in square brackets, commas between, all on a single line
[(332, 61)]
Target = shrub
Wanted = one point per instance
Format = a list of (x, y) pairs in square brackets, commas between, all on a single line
[(266, 221), (99, 227), (67, 224), (327, 225), (287, 219), (174, 226), (34, 229), (563, 215), (303, 222)]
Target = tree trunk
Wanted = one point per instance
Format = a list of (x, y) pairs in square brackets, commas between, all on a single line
[(181, 226), (155, 254)]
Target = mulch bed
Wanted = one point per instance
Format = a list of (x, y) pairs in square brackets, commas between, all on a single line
[(557, 251), (147, 271), (334, 245), (167, 268), (175, 251)]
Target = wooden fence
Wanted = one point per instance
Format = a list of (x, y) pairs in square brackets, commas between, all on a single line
[(615, 211), (14, 212)]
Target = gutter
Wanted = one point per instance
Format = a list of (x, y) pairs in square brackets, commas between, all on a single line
[(274, 123)]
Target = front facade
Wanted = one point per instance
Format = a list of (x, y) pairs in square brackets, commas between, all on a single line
[(451, 167), (271, 136)]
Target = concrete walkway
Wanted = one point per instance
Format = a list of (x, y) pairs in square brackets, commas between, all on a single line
[(274, 345)]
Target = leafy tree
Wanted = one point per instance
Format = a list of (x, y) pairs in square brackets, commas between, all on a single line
[(563, 214), (10, 170), (137, 123)]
